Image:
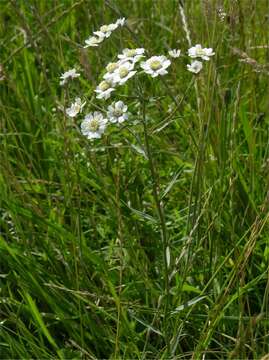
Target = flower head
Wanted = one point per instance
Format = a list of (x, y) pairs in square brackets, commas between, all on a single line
[(106, 30), (93, 41), (110, 68), (75, 108), (93, 125), (132, 55), (104, 89), (195, 67), (198, 52), (221, 14), (156, 65), (117, 112), (70, 74), (175, 53), (123, 73), (121, 21)]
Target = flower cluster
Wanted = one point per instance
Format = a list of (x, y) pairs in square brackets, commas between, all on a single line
[(117, 73), (94, 124), (104, 32), (127, 64), (198, 52), (122, 70)]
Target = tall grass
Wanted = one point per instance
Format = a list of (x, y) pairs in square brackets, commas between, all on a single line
[(145, 246)]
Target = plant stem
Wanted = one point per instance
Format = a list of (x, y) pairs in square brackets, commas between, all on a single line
[(162, 224)]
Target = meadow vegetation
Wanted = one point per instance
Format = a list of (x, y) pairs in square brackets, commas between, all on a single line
[(150, 242)]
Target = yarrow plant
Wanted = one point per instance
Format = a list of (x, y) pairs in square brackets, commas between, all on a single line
[(131, 66)]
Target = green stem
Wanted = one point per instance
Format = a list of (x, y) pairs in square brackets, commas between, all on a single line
[(162, 224)]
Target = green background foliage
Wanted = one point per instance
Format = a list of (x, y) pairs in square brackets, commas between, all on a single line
[(82, 262)]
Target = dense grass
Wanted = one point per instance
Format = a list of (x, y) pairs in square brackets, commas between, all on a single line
[(85, 270)]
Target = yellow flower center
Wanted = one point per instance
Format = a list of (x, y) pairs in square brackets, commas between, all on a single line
[(117, 112), (155, 65), (104, 28), (111, 67), (123, 72), (104, 85), (200, 51), (130, 53), (93, 125), (77, 107)]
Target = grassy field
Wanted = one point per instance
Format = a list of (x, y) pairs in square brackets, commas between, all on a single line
[(151, 242)]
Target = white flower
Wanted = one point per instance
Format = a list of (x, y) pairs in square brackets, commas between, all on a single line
[(123, 73), (175, 53), (93, 41), (110, 68), (156, 65), (117, 112), (198, 51), (68, 74), (221, 13), (93, 125), (133, 55), (120, 22), (195, 67), (106, 30), (104, 89), (75, 108)]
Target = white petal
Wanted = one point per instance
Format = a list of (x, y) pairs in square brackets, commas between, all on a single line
[(162, 72), (166, 63)]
